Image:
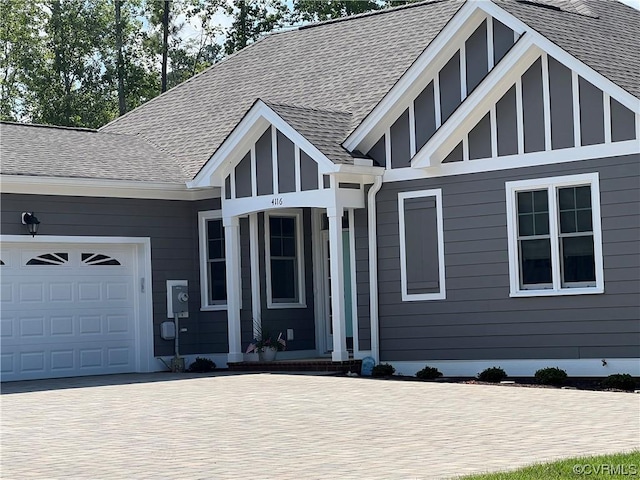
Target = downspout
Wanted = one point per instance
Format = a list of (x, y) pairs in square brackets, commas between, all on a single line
[(373, 267)]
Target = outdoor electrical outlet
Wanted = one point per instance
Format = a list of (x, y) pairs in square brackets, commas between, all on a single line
[(289, 334)]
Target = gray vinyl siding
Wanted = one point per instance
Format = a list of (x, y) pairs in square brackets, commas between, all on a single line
[(362, 277), (425, 116), (308, 172), (449, 78), (264, 164), (173, 229), (591, 113), (478, 320), (227, 187), (502, 40), (561, 103), (243, 177), (286, 164), (301, 320), (623, 122), (507, 123), (480, 139), (400, 150), (476, 55), (455, 155), (532, 108), (378, 152)]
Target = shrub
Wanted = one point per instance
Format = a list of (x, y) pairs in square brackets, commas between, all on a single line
[(492, 375), (429, 373), (383, 370), (202, 365), (551, 376), (621, 381)]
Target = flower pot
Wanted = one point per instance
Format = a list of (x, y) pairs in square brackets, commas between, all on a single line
[(268, 354)]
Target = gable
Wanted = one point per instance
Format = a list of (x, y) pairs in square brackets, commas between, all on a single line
[(549, 107)]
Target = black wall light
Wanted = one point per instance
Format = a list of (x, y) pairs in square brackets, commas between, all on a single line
[(31, 221)]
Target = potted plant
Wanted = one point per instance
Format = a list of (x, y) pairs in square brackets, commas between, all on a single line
[(266, 345)]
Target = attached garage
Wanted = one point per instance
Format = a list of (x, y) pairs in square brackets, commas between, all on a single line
[(72, 309)]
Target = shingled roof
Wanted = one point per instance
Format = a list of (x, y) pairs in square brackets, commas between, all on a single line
[(322, 79), (42, 150)]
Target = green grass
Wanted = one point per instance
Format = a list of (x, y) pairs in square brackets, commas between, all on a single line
[(620, 466)]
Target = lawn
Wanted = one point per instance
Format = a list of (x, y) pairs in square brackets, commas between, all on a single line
[(610, 467)]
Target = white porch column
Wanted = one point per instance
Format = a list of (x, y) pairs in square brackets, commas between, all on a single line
[(232, 257), (340, 352)]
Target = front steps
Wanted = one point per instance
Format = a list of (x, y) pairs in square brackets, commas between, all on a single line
[(312, 365)]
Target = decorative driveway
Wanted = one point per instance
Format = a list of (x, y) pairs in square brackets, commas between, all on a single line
[(270, 426)]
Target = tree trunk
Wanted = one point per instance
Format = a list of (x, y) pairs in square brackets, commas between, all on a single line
[(165, 44), (243, 25), (120, 66)]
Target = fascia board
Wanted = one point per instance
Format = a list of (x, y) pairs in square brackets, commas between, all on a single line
[(440, 43), (503, 75)]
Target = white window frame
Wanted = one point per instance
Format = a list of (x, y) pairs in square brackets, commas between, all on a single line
[(203, 218), (442, 293), (297, 214), (552, 184)]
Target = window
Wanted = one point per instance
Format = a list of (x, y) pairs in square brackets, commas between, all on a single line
[(555, 241), (213, 279), (422, 269), (284, 259)]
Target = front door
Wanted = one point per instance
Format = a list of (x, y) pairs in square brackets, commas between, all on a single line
[(326, 275)]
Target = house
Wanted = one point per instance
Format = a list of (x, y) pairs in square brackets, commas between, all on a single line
[(445, 183)]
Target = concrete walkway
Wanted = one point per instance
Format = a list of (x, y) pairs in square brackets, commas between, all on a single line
[(297, 427)]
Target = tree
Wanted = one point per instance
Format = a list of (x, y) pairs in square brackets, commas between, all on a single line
[(314, 11), (251, 20)]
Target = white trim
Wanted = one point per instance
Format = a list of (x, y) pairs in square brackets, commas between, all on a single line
[(387, 148), (254, 172), (437, 106), (412, 129), (298, 216), (144, 359), (465, 148), (254, 253), (519, 116), (203, 218), (463, 71), (553, 157), (232, 182), (234, 286), (319, 294), (296, 167), (86, 187), (606, 98), (546, 101), (583, 367), (575, 95), (551, 184), (493, 118), (441, 294), (354, 284)]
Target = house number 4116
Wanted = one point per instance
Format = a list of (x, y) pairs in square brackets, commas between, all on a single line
[(277, 201)]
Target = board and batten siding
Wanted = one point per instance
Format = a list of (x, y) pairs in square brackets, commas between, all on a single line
[(173, 228), (478, 320)]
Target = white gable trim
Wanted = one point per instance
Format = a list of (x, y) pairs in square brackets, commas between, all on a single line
[(498, 81), (241, 139), (462, 24)]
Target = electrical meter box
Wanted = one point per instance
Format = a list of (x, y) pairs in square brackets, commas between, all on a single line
[(177, 299)]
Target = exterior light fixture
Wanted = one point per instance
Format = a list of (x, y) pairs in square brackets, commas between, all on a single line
[(31, 221)]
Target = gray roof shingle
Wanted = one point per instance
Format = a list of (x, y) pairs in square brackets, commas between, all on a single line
[(42, 150)]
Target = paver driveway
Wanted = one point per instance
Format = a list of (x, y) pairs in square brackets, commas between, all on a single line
[(298, 427)]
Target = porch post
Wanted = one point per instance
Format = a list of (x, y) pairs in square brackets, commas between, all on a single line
[(340, 352), (232, 256)]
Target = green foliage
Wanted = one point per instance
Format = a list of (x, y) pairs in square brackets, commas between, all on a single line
[(429, 373), (251, 20), (383, 370), (315, 11), (492, 375), (551, 376), (202, 365), (620, 381)]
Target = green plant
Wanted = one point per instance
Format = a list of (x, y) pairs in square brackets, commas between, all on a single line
[(551, 376), (492, 375), (383, 370), (202, 365), (620, 381), (264, 339), (429, 373)]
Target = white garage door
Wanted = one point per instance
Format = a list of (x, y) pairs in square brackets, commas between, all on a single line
[(67, 310)]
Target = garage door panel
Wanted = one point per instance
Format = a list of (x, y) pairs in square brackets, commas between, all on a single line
[(72, 316)]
